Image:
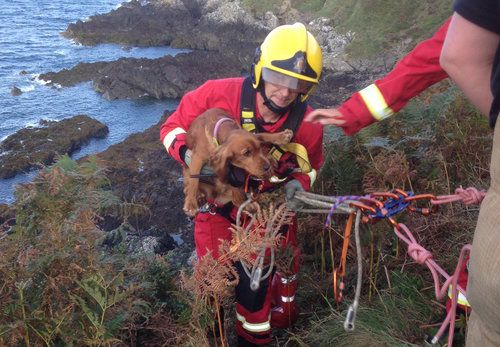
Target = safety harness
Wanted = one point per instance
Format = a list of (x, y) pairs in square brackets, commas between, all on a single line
[(251, 124)]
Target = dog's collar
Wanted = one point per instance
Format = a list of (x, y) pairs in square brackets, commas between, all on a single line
[(216, 129)]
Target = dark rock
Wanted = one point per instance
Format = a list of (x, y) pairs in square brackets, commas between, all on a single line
[(167, 77), (7, 219), (30, 147), (157, 24), (23, 72), (80, 73), (141, 172), (16, 91), (335, 87), (7, 213)]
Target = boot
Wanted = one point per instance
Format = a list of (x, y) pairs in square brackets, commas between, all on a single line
[(285, 311)]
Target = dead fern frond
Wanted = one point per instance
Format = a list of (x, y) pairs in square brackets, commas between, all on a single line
[(388, 170)]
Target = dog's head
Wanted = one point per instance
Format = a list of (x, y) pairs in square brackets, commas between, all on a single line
[(244, 150)]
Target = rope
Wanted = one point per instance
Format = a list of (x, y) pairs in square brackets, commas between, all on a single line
[(327, 204), (423, 256), (350, 318), (469, 196), (393, 203)]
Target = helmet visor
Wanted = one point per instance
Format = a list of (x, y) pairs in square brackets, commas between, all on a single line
[(294, 84)]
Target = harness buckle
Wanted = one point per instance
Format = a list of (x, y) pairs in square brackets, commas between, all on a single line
[(208, 208)]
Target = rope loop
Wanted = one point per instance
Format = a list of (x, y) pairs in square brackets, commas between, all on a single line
[(419, 253), (471, 196)]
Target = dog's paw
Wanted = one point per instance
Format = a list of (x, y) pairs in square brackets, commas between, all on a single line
[(286, 137), (190, 208)]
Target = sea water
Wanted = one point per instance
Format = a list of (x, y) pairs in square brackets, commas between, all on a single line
[(31, 44)]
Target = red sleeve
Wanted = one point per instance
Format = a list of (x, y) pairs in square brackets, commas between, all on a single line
[(310, 135), (414, 73), (224, 94)]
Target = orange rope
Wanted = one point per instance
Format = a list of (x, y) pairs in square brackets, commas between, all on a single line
[(339, 272)]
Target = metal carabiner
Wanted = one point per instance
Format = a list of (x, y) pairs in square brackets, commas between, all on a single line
[(208, 208)]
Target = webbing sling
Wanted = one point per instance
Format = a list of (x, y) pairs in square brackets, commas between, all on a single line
[(251, 124)]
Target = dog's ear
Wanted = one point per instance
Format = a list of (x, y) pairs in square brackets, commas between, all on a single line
[(220, 161)]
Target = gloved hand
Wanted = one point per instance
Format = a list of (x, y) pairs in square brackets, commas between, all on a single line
[(205, 170), (292, 187)]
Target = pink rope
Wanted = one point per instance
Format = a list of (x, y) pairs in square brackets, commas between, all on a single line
[(469, 196), (423, 256)]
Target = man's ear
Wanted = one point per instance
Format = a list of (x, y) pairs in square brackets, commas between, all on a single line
[(220, 161)]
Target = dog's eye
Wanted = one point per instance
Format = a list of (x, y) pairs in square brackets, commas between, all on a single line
[(247, 153)]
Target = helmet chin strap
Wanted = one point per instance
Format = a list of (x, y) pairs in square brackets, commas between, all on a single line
[(271, 105)]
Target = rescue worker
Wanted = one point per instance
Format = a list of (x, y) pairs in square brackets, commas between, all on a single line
[(471, 56), (287, 66)]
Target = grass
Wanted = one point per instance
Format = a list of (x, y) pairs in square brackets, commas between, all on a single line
[(379, 24)]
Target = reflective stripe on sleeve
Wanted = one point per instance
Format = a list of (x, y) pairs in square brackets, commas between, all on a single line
[(461, 300), (375, 102), (167, 141), (253, 327)]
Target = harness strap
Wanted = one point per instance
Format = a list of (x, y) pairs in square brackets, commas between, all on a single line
[(216, 129), (251, 124), (297, 149)]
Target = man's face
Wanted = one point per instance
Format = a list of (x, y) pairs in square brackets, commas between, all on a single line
[(281, 96)]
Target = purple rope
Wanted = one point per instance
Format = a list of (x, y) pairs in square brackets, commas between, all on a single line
[(340, 200)]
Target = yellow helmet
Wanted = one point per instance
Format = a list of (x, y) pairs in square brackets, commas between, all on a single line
[(289, 56)]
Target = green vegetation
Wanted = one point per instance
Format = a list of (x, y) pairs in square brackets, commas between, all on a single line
[(379, 24), (59, 285), (258, 8)]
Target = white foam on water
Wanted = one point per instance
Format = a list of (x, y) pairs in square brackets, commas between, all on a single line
[(28, 89), (37, 79)]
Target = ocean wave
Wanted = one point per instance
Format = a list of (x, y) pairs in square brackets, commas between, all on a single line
[(75, 43), (27, 89), (61, 52), (35, 123), (120, 4), (38, 80)]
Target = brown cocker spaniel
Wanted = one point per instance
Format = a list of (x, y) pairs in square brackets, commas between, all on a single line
[(217, 140)]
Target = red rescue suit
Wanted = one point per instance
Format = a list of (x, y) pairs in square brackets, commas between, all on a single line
[(253, 309), (417, 71)]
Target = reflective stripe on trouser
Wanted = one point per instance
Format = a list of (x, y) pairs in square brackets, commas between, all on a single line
[(253, 309), (461, 300), (483, 289), (285, 310)]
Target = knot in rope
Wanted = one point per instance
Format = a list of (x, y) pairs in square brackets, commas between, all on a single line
[(418, 253), (470, 195)]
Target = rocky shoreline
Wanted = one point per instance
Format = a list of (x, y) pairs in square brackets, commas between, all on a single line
[(33, 147), (223, 38)]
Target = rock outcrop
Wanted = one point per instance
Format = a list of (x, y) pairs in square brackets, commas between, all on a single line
[(142, 173), (167, 77), (15, 91), (204, 25), (34, 146)]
